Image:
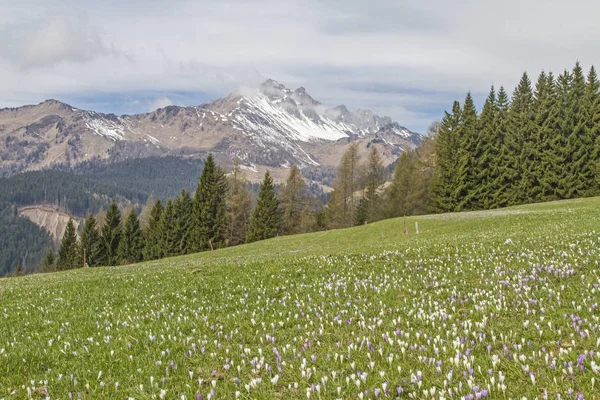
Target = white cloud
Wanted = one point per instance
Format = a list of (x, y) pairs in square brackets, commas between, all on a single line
[(50, 40), (160, 102), (425, 51)]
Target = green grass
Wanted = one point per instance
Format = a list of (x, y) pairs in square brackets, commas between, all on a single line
[(504, 301)]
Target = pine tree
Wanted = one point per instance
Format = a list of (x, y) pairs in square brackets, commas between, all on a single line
[(561, 126), (184, 214), (466, 178), (111, 235), (152, 250), (210, 207), (131, 244), (89, 244), (581, 175), (593, 128), (67, 254), (362, 213), (485, 152), (294, 202), (542, 107), (49, 261), (19, 270), (168, 240), (446, 169), (523, 142), (266, 219), (238, 206)]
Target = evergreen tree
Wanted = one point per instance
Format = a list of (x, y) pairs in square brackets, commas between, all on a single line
[(522, 142), (294, 202), (19, 270), (210, 207), (466, 178), (485, 151), (266, 219), (184, 214), (169, 245), (49, 261), (131, 244), (560, 125), (89, 243), (446, 162), (542, 107), (580, 144), (111, 235), (500, 168), (362, 213), (238, 206), (152, 250), (593, 128), (67, 254)]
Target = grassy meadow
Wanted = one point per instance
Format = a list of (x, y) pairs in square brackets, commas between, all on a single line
[(498, 304)]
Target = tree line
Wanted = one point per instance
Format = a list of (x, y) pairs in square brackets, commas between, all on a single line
[(219, 214), (542, 144)]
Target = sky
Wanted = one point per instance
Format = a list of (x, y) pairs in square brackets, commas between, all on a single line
[(405, 59)]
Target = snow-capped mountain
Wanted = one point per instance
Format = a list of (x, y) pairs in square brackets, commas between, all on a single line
[(269, 126)]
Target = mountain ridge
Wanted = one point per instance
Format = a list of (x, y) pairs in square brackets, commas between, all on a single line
[(270, 126)]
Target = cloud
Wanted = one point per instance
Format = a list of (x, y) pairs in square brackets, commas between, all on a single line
[(52, 39), (409, 59), (160, 102)]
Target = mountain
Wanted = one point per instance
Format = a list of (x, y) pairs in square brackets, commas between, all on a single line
[(267, 127)]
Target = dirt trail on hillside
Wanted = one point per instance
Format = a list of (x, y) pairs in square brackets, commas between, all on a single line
[(50, 219)]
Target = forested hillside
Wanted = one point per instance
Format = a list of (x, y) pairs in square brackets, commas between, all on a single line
[(22, 242), (91, 186)]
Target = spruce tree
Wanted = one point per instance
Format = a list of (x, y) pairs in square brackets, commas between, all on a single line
[(89, 243), (446, 162), (67, 254), (152, 250), (542, 106), (466, 178), (19, 270), (266, 219), (49, 261), (210, 207), (238, 206), (580, 144), (184, 214), (561, 126), (131, 244), (593, 128), (168, 240), (362, 213), (485, 152), (111, 235)]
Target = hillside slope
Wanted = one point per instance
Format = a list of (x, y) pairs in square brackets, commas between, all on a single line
[(494, 304)]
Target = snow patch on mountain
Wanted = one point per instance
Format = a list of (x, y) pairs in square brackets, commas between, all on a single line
[(113, 130)]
